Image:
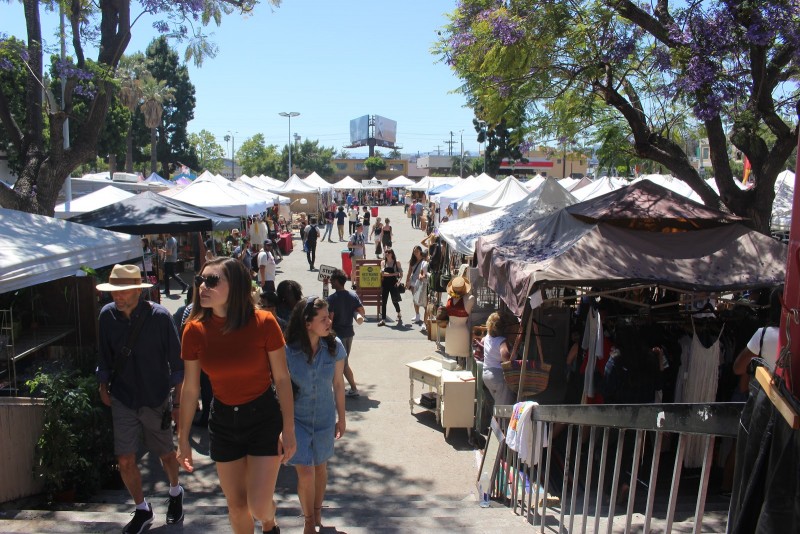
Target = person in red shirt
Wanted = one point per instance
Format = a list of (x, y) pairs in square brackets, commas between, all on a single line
[(251, 428)]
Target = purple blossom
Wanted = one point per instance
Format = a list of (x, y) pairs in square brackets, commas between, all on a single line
[(67, 70), (505, 29), (5, 64), (161, 26), (662, 59)]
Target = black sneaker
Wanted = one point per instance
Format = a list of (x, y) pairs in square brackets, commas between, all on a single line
[(175, 509), (141, 520)]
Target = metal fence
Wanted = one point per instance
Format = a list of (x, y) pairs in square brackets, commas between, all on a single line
[(605, 441)]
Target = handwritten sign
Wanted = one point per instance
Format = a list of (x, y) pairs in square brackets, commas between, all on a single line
[(369, 276), (325, 271)]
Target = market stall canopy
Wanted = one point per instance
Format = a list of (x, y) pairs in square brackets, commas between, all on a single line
[(601, 186), (294, 185), (151, 213), (219, 196), (156, 179), (580, 184), (463, 233), (92, 201), (667, 181), (347, 183), (430, 182), (507, 192), (568, 183), (62, 247), (401, 181), (644, 205), (259, 191), (534, 182), (562, 250), (318, 182), (782, 205)]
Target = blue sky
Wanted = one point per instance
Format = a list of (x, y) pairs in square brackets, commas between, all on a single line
[(330, 61)]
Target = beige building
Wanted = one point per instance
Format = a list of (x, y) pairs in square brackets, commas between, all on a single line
[(356, 169), (549, 162)]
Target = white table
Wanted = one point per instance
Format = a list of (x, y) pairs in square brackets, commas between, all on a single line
[(455, 394)]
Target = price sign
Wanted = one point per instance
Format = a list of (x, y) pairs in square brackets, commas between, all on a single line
[(325, 271), (369, 276)]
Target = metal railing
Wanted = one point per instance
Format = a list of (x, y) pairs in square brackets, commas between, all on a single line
[(583, 468)]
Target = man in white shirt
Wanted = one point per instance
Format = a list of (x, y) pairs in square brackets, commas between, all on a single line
[(266, 268)]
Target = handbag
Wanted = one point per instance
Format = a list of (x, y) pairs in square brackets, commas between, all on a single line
[(401, 288), (536, 374)]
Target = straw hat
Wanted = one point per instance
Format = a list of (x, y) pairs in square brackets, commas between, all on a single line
[(124, 277), (459, 286)]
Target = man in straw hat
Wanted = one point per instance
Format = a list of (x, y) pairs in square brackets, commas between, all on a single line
[(139, 363)]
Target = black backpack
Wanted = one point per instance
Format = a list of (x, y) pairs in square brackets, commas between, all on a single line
[(313, 234), (254, 262)]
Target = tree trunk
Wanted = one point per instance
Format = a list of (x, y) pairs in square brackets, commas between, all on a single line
[(153, 150), (112, 164), (129, 149)]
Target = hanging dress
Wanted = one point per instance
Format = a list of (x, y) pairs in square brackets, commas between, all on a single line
[(702, 377)]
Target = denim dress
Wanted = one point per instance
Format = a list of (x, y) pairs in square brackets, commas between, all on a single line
[(315, 404)]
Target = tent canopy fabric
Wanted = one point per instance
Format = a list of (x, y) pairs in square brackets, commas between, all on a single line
[(156, 179), (401, 181), (260, 192), (318, 182), (507, 192), (220, 196), (151, 213), (294, 185), (62, 247), (430, 182), (644, 205), (347, 183), (92, 201), (463, 233), (467, 187), (596, 188), (562, 250)]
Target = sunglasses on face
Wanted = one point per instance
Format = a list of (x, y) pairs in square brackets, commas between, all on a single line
[(210, 280)]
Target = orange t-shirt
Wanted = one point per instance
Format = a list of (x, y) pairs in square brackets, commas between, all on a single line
[(237, 363)]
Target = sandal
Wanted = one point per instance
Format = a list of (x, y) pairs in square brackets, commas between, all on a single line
[(318, 516), (350, 393)]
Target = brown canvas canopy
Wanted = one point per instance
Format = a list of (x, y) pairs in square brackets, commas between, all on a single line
[(561, 250)]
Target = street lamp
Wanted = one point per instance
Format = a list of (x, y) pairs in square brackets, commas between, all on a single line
[(233, 152), (289, 115)]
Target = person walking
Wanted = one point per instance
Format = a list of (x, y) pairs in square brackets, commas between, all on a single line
[(352, 216), (316, 363), (170, 253), (356, 244), (344, 306), (386, 234), (251, 428), (266, 268), (391, 272), (377, 228), (365, 218), (311, 233), (329, 216), (417, 282), (414, 217), (136, 373), (341, 216), (418, 210)]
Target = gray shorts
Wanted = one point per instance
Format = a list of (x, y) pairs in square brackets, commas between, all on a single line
[(131, 425), (348, 344)]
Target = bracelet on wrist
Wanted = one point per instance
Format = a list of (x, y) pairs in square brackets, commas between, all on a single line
[(176, 405)]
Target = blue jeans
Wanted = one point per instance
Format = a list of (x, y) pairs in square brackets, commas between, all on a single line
[(328, 231)]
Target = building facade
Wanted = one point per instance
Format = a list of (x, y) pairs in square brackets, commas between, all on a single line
[(356, 169)]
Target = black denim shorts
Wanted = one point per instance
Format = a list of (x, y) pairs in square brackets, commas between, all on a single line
[(250, 429)]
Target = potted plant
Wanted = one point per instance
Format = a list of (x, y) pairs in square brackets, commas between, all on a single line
[(74, 454)]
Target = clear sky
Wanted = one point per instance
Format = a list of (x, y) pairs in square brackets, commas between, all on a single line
[(331, 61)]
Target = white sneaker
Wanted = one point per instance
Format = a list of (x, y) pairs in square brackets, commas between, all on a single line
[(416, 318)]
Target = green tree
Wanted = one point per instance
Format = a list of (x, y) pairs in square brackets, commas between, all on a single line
[(256, 157), (164, 64), (395, 154), (311, 157), (209, 153), (12, 89), (130, 72), (36, 134), (729, 63), (155, 95), (373, 165)]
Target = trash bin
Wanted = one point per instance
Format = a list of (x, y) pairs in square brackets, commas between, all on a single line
[(347, 262), (374, 210)]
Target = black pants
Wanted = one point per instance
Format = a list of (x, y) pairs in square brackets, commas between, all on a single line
[(169, 272), (353, 226), (311, 253), (386, 291)]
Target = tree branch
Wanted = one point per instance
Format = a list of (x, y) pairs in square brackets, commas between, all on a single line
[(647, 22), (9, 124)]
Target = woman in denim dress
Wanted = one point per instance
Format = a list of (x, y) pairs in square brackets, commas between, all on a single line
[(315, 357)]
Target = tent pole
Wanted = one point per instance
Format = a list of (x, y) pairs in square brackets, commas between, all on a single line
[(526, 350)]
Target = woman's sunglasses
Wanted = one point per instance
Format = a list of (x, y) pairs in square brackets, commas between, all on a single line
[(211, 280)]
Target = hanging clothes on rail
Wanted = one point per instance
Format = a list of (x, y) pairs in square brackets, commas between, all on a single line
[(701, 382)]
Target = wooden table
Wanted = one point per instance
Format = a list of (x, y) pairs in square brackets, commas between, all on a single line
[(455, 394)]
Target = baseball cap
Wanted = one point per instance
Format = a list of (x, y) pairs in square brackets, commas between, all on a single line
[(268, 242)]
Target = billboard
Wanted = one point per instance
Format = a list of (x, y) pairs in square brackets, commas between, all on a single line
[(385, 130), (359, 130)]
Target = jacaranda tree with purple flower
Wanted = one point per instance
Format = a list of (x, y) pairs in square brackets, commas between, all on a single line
[(727, 68), (33, 129)]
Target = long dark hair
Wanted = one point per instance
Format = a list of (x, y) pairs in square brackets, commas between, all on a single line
[(241, 308), (296, 332), (413, 261)]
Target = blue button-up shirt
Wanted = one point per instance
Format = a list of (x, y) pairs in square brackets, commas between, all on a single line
[(154, 365)]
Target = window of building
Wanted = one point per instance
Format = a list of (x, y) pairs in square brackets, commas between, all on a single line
[(360, 167), (341, 166), (396, 167), (558, 161), (705, 153)]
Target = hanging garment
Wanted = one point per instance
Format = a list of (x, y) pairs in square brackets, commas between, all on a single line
[(702, 376), (594, 346)]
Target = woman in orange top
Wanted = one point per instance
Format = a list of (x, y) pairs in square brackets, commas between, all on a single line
[(251, 430)]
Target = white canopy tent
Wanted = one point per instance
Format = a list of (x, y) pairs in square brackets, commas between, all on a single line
[(598, 187), (465, 188), (297, 190), (92, 201), (431, 182), (401, 181), (62, 247), (464, 233), (507, 192), (317, 181), (208, 192), (347, 183), (259, 192)]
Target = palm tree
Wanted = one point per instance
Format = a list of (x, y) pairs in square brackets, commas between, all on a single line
[(155, 93), (130, 72)]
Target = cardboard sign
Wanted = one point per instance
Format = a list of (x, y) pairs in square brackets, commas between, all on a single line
[(325, 271), (369, 276)]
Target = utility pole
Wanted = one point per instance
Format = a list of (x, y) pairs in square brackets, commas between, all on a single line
[(461, 167), (438, 150), (450, 144)]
